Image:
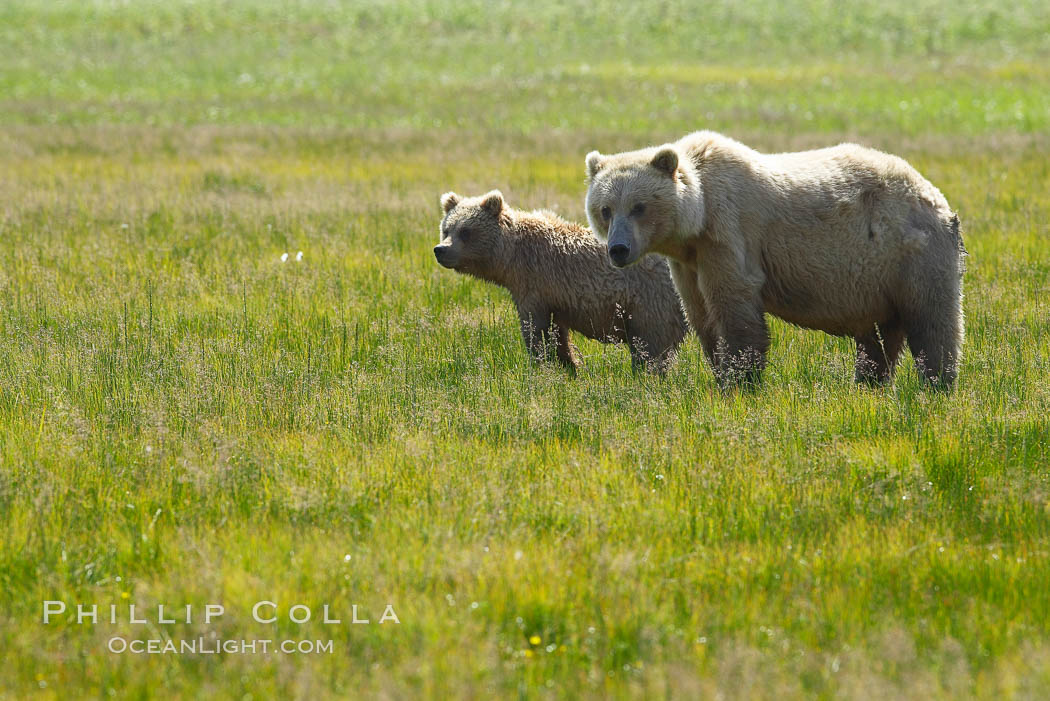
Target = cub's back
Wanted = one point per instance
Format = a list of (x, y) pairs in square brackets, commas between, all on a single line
[(578, 278)]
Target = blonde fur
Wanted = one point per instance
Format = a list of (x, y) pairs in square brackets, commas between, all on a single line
[(847, 239), (559, 278)]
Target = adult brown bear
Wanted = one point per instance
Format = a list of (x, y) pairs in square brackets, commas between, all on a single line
[(848, 240)]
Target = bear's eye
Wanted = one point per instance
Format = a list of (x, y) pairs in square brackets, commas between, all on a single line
[(465, 234), (638, 210), (606, 213)]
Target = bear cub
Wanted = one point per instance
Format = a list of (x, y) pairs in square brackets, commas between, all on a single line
[(559, 277)]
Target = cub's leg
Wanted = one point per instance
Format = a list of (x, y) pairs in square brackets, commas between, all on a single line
[(643, 356), (544, 339), (536, 324), (568, 355), (877, 354), (654, 336)]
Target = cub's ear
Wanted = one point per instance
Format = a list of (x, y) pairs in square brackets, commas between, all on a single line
[(665, 161), (493, 203), (449, 201), (594, 163)]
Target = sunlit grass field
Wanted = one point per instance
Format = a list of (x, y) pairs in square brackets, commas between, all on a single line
[(187, 419)]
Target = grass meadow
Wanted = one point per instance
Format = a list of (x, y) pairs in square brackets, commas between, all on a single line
[(185, 419)]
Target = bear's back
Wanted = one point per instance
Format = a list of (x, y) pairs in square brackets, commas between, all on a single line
[(572, 268)]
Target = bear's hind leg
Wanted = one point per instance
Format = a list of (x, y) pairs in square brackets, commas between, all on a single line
[(568, 355), (935, 329), (643, 359), (936, 349), (877, 354)]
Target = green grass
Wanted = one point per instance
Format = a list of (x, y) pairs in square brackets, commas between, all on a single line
[(185, 419)]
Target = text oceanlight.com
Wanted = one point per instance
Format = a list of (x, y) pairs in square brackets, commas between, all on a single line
[(204, 646)]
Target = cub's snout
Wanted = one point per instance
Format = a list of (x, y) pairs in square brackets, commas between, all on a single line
[(444, 256)]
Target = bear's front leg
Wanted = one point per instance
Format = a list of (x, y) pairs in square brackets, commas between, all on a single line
[(742, 346), (545, 340), (730, 284), (535, 331), (687, 285)]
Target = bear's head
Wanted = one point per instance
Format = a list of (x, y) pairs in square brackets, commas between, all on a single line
[(639, 201), (472, 233)]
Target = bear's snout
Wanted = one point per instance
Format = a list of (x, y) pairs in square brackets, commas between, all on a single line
[(442, 254), (621, 241), (619, 253)]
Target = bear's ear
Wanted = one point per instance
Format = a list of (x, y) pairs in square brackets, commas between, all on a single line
[(449, 201), (594, 163), (665, 161), (493, 203)]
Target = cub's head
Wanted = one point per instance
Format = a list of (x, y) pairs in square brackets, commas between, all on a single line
[(634, 199), (472, 231)]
